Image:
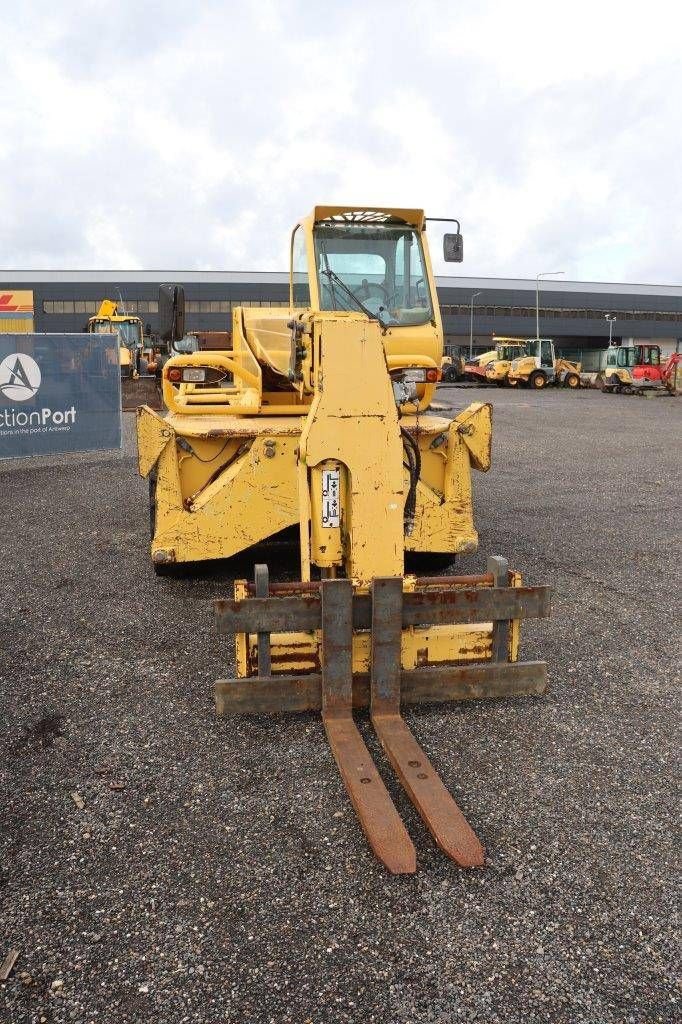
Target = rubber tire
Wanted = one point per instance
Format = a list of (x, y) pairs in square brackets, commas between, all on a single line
[(537, 380), (512, 383), (572, 381)]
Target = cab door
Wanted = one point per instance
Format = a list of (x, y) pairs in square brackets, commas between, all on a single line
[(547, 357), (648, 363)]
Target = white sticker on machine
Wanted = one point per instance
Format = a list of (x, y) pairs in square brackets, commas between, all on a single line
[(331, 503)]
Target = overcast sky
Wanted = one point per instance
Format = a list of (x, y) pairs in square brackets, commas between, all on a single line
[(178, 135)]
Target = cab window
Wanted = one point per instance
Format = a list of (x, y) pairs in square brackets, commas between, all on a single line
[(299, 270), (376, 266), (650, 356)]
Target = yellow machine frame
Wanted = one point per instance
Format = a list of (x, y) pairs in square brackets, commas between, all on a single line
[(318, 418)]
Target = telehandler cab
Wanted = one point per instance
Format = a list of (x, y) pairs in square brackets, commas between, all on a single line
[(317, 416)]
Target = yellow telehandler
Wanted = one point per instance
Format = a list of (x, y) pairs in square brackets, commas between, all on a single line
[(317, 417)]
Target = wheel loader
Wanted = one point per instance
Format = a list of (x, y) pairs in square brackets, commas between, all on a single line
[(540, 366), (452, 369), (317, 417), (506, 350)]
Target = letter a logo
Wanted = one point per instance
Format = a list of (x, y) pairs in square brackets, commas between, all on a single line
[(19, 377)]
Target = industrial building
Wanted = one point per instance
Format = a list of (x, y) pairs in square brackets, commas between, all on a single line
[(572, 312)]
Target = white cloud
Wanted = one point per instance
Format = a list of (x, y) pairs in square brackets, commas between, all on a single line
[(193, 135)]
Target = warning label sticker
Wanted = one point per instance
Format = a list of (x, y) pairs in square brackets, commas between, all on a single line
[(331, 504)]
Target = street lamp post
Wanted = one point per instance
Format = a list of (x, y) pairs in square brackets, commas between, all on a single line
[(544, 273), (471, 325), (611, 320)]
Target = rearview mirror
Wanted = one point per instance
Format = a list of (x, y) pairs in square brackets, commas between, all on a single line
[(171, 312), (453, 248)]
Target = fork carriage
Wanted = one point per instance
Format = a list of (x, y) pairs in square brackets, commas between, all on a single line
[(380, 649)]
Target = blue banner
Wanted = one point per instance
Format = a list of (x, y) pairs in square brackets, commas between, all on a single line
[(59, 393)]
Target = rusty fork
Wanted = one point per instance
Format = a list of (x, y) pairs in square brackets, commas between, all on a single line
[(378, 816), (421, 782), (380, 821)]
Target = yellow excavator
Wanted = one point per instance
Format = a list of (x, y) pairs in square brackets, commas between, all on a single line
[(317, 417)]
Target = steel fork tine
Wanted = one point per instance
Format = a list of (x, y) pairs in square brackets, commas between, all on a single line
[(380, 821), (421, 782)]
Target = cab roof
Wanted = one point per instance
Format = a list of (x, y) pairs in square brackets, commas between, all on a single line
[(369, 215)]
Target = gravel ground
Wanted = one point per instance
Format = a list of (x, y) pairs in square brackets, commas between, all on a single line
[(215, 871)]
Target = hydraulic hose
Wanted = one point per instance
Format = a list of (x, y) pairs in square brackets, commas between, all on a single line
[(414, 465)]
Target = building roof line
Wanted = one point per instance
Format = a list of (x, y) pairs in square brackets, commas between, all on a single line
[(30, 276)]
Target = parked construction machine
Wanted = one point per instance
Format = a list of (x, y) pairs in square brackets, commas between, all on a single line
[(137, 356), (452, 369), (506, 350), (636, 369), (540, 366), (475, 367), (109, 320), (317, 417)]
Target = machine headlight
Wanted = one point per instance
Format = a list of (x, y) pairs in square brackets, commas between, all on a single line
[(193, 374), (405, 381), (197, 374), (417, 375)]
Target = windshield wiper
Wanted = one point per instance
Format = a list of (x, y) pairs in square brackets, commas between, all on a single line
[(335, 279)]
